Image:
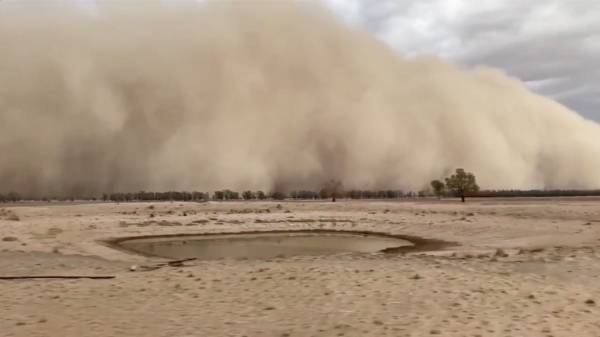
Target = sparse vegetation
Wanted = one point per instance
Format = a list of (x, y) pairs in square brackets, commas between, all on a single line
[(461, 184), (332, 189), (8, 215), (278, 196)]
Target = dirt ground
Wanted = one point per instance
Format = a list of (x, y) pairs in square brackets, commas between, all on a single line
[(521, 268)]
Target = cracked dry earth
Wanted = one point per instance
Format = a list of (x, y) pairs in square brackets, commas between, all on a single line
[(522, 268)]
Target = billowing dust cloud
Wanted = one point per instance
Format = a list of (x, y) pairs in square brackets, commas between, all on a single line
[(258, 95)]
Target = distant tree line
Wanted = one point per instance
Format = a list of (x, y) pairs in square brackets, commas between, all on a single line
[(323, 194), (461, 184), (536, 193)]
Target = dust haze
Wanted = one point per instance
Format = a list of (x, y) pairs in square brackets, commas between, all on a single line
[(258, 95)]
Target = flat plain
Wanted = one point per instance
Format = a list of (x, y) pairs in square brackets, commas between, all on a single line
[(516, 267)]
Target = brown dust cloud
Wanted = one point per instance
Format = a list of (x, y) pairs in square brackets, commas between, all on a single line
[(259, 95)]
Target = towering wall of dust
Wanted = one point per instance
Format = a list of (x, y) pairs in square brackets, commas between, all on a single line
[(252, 96)]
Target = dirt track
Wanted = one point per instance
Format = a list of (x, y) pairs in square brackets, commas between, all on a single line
[(545, 285)]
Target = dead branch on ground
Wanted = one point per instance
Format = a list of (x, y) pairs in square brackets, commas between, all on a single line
[(69, 277)]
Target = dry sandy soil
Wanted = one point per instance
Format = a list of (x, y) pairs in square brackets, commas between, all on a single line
[(544, 281)]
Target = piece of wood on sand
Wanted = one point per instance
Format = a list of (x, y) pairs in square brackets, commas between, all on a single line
[(68, 277)]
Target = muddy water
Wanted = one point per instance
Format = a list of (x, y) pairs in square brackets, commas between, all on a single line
[(260, 246)]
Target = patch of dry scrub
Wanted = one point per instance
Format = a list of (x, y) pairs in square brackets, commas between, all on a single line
[(8, 215), (163, 223)]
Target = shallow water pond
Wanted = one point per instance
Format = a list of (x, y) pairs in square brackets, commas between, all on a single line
[(261, 246)]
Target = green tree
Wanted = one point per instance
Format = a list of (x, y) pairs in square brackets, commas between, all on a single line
[(462, 184), (438, 188)]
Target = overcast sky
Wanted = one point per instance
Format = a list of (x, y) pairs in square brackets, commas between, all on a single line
[(552, 45)]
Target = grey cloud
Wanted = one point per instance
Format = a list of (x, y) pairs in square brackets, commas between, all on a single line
[(561, 55), (587, 102), (568, 49), (507, 22), (374, 15)]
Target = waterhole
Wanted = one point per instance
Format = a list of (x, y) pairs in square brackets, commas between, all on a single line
[(261, 245)]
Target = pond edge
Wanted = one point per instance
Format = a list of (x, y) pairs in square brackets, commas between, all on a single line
[(420, 244)]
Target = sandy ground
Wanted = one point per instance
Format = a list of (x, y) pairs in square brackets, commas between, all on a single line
[(544, 281)]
